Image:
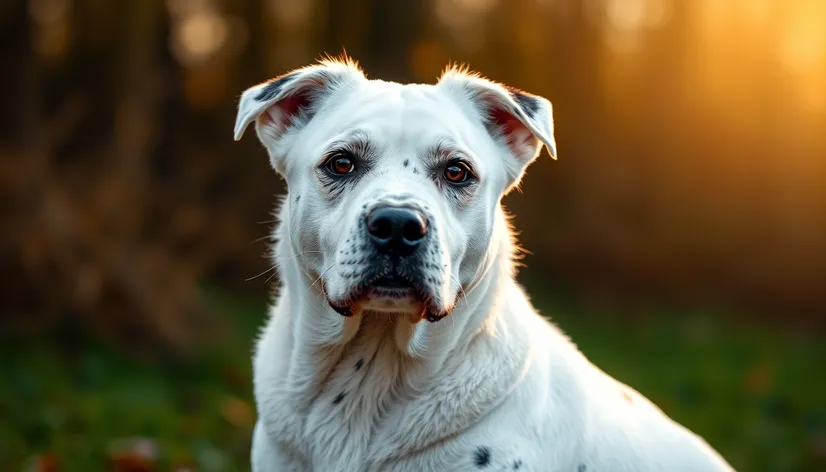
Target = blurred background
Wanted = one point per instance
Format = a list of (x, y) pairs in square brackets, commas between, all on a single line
[(680, 238)]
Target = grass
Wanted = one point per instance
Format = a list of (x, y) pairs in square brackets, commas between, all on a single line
[(756, 394)]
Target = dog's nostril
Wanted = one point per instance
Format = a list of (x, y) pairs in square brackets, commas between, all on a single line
[(414, 230), (381, 228)]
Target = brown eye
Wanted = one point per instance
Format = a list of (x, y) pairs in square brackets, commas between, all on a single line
[(341, 164), (457, 172)]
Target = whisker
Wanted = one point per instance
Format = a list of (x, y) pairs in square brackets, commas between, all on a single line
[(293, 257), (321, 275), (259, 275), (464, 294), (271, 276), (262, 238)]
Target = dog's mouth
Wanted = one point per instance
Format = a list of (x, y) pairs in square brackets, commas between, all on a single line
[(392, 284), (392, 292), (393, 288)]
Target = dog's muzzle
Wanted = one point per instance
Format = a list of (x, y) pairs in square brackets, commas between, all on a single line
[(399, 269)]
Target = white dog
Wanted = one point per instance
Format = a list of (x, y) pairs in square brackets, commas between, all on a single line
[(399, 340)]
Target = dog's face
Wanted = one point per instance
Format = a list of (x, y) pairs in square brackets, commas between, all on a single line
[(393, 189)]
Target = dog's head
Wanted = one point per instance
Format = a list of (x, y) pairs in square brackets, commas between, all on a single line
[(394, 189)]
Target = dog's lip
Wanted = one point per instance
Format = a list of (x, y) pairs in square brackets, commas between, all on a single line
[(428, 311), (393, 286)]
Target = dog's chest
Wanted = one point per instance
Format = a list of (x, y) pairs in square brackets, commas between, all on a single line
[(331, 426)]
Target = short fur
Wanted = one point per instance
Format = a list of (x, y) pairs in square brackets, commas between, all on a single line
[(467, 377)]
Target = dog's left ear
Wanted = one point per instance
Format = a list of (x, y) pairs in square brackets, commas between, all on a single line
[(520, 121)]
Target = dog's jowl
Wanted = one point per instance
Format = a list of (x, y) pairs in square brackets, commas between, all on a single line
[(399, 340)]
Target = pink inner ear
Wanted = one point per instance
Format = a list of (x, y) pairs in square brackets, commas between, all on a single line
[(290, 105), (519, 138), (280, 114)]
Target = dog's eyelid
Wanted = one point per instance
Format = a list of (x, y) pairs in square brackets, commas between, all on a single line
[(468, 167), (447, 152), (359, 155), (359, 149), (336, 152), (465, 161)]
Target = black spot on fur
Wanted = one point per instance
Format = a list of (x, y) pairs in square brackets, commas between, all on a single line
[(581, 468), (359, 364), (481, 456), (339, 398), (415, 170), (272, 89), (297, 198), (517, 464), (406, 162), (528, 103)]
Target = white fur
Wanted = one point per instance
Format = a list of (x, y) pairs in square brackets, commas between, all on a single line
[(493, 385)]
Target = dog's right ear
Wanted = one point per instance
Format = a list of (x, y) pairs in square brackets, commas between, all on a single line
[(288, 103), (520, 122)]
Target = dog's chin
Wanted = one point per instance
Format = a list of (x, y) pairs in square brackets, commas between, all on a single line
[(391, 295)]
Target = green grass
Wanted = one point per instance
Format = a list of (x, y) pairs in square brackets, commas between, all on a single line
[(756, 394), (78, 403)]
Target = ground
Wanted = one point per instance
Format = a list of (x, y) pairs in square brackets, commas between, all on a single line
[(757, 393)]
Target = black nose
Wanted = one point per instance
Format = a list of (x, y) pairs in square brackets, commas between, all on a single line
[(396, 230)]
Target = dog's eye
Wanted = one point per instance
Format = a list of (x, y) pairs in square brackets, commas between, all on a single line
[(457, 172), (340, 163)]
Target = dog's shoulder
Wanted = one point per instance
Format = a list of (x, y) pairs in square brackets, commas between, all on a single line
[(622, 430), (626, 432), (567, 414)]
